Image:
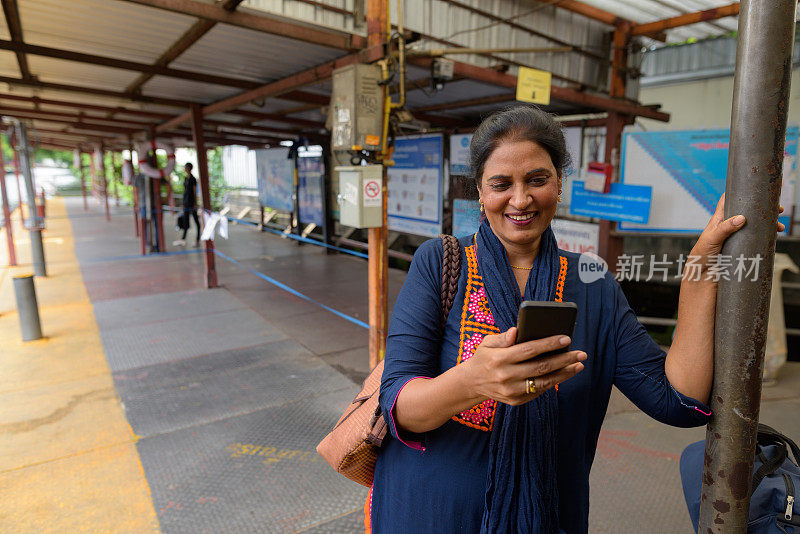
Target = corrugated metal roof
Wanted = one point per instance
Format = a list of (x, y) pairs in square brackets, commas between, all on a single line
[(238, 52), (641, 11), (107, 28), (186, 89), (70, 72)]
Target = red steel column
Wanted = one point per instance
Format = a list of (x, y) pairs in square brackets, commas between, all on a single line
[(377, 268), (610, 246), (101, 155), (210, 277), (12, 256), (82, 178)]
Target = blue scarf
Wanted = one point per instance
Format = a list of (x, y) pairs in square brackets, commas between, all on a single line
[(522, 491)]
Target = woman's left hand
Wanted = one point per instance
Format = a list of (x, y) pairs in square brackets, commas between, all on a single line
[(717, 231)]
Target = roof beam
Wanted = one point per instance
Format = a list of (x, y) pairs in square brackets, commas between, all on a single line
[(564, 94), (14, 23), (467, 103), (589, 11), (262, 22), (82, 105), (651, 28), (191, 36), (284, 85), (74, 116), (95, 91), (125, 65)]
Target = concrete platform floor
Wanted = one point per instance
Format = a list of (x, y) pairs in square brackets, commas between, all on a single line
[(217, 398)]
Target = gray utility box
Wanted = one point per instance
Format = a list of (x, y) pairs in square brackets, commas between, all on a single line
[(361, 196), (356, 110)]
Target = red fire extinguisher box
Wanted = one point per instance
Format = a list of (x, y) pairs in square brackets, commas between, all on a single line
[(598, 177)]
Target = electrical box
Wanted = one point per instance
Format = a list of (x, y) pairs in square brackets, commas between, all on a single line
[(361, 196), (356, 108)]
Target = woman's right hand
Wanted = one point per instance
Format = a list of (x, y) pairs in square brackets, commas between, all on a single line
[(499, 368)]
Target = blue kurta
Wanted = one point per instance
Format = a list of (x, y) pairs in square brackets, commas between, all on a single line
[(435, 482)]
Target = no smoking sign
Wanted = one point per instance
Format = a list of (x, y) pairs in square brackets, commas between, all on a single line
[(372, 193)]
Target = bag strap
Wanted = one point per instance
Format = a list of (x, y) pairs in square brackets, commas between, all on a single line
[(770, 435), (451, 272)]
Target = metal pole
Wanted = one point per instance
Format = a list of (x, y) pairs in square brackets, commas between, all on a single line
[(210, 277), (12, 255), (17, 173), (79, 165), (755, 166), (101, 155), (35, 225), (28, 308)]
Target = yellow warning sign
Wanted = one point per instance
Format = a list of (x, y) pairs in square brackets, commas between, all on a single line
[(533, 86)]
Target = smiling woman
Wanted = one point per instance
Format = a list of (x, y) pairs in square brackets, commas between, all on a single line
[(492, 436)]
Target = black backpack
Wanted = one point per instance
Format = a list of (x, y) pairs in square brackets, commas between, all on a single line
[(774, 498)]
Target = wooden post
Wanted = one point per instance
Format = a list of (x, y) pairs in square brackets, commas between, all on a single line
[(134, 190), (12, 256), (82, 178), (210, 277), (377, 269)]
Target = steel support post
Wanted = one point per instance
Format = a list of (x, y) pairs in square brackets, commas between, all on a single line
[(210, 277), (377, 269), (16, 174), (82, 178), (12, 255), (101, 155), (35, 225), (755, 166), (27, 308)]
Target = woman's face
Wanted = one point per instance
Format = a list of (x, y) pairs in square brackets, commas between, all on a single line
[(519, 189)]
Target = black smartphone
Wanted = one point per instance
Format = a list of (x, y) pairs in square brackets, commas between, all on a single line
[(540, 319)]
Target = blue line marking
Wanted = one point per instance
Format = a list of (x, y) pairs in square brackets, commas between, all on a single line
[(291, 290)]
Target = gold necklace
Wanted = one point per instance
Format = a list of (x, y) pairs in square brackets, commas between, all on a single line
[(521, 268)]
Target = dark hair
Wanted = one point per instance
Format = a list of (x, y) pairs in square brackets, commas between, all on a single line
[(518, 123), (189, 165)]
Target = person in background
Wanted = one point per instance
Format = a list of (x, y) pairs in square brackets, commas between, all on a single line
[(189, 204)]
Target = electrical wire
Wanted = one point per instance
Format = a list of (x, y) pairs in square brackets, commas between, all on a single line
[(546, 4)]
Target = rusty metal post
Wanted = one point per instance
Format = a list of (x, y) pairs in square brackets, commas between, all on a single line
[(17, 173), (210, 277), (12, 255), (377, 267), (78, 159), (609, 245), (115, 177), (35, 225), (755, 166), (101, 155)]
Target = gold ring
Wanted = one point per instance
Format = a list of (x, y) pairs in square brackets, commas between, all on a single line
[(530, 386)]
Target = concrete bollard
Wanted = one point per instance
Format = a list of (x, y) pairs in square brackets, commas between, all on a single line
[(28, 308)]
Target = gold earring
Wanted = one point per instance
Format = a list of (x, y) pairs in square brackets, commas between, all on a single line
[(559, 196), (482, 208)]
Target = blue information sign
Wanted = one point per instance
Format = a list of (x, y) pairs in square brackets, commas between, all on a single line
[(275, 173), (623, 203), (415, 185), (466, 217), (310, 171)]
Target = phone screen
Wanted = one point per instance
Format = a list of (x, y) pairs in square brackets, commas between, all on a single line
[(540, 319)]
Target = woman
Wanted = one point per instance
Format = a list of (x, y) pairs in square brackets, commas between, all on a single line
[(490, 436)]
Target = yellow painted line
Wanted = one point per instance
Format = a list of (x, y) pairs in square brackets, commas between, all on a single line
[(68, 458)]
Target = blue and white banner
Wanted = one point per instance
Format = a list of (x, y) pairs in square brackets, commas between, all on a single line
[(687, 171), (623, 203), (459, 153), (415, 185), (275, 174), (466, 217), (310, 173)]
